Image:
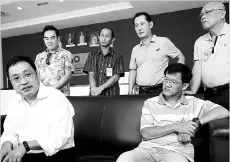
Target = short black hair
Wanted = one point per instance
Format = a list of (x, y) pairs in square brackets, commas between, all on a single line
[(186, 74), (50, 27), (147, 16), (112, 32), (16, 59)]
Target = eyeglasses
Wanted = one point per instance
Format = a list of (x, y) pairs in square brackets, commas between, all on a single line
[(48, 58), (171, 81), (207, 12), (18, 79)]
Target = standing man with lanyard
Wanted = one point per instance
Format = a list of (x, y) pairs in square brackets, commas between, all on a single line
[(105, 67), (54, 65), (212, 55), (150, 58)]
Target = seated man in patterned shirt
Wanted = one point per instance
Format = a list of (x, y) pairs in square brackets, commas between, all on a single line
[(170, 120), (54, 65), (105, 67)]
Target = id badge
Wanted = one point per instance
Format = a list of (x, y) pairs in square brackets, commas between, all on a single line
[(109, 72)]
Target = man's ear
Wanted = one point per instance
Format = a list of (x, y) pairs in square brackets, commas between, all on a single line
[(185, 86), (223, 13), (112, 40), (151, 24), (58, 38)]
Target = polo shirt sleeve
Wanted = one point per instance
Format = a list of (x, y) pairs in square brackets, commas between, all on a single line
[(133, 64), (196, 52), (119, 66), (147, 119), (206, 106), (89, 64), (171, 50)]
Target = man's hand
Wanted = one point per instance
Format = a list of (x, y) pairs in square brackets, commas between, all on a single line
[(96, 91), (188, 127), (184, 138), (5, 150), (15, 155)]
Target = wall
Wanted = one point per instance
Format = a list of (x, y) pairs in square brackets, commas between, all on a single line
[(181, 27)]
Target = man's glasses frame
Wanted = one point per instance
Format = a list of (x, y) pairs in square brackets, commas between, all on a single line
[(18, 79), (207, 12)]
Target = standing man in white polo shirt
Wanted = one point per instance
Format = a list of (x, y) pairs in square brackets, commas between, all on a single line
[(212, 55), (150, 58)]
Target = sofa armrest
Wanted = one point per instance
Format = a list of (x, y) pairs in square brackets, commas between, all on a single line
[(219, 140), (219, 128)]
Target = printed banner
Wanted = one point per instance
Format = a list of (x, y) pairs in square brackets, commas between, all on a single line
[(78, 63)]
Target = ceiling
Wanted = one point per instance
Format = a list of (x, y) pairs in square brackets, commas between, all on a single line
[(69, 13)]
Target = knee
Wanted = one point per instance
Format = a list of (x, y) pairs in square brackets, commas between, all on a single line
[(126, 157), (175, 157)]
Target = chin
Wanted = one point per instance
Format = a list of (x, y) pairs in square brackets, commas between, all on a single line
[(166, 93)]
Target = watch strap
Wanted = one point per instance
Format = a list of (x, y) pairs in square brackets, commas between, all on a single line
[(25, 144)]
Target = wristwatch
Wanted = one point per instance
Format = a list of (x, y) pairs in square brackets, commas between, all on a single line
[(196, 120), (25, 144)]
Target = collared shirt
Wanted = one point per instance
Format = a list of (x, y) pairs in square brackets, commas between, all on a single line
[(60, 64), (215, 67), (158, 112), (150, 61), (97, 63), (48, 120)]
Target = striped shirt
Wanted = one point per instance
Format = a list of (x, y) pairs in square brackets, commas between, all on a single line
[(158, 112), (97, 63)]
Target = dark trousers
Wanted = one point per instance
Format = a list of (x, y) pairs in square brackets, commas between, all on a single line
[(61, 156), (219, 96), (156, 89)]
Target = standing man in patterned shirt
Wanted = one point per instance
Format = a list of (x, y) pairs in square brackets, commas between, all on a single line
[(105, 67), (54, 65), (150, 58)]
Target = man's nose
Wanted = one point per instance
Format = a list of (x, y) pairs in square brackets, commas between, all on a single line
[(24, 80)]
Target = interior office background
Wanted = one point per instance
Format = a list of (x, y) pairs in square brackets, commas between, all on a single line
[(181, 27)]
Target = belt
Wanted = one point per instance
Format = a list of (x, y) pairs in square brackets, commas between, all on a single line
[(218, 88), (151, 87)]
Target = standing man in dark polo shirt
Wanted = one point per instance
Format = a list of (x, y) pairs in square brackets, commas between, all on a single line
[(150, 58), (105, 67)]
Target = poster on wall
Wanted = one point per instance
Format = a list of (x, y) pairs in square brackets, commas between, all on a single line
[(81, 39), (93, 39), (78, 63), (70, 39)]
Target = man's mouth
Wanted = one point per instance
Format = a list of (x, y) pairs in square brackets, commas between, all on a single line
[(27, 88)]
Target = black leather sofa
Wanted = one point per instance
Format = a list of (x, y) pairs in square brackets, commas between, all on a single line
[(105, 127)]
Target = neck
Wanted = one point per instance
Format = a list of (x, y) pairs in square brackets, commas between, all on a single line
[(30, 100), (53, 50), (105, 50), (216, 30), (173, 100), (147, 39)]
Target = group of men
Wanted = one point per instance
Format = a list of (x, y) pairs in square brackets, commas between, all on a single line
[(39, 124)]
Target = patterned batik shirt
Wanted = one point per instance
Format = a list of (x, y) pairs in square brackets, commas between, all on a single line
[(60, 63), (97, 63)]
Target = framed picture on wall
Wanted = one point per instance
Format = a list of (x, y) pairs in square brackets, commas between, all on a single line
[(61, 42), (93, 39), (70, 39), (81, 38)]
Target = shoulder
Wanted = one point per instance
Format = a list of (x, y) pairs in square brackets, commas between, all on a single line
[(117, 54), (65, 52), (201, 39), (153, 99), (41, 55), (136, 48)]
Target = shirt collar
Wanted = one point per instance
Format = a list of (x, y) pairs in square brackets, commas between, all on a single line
[(153, 40), (57, 50), (109, 53), (161, 100), (224, 31)]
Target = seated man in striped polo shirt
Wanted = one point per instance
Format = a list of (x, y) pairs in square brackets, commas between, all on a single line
[(169, 121)]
